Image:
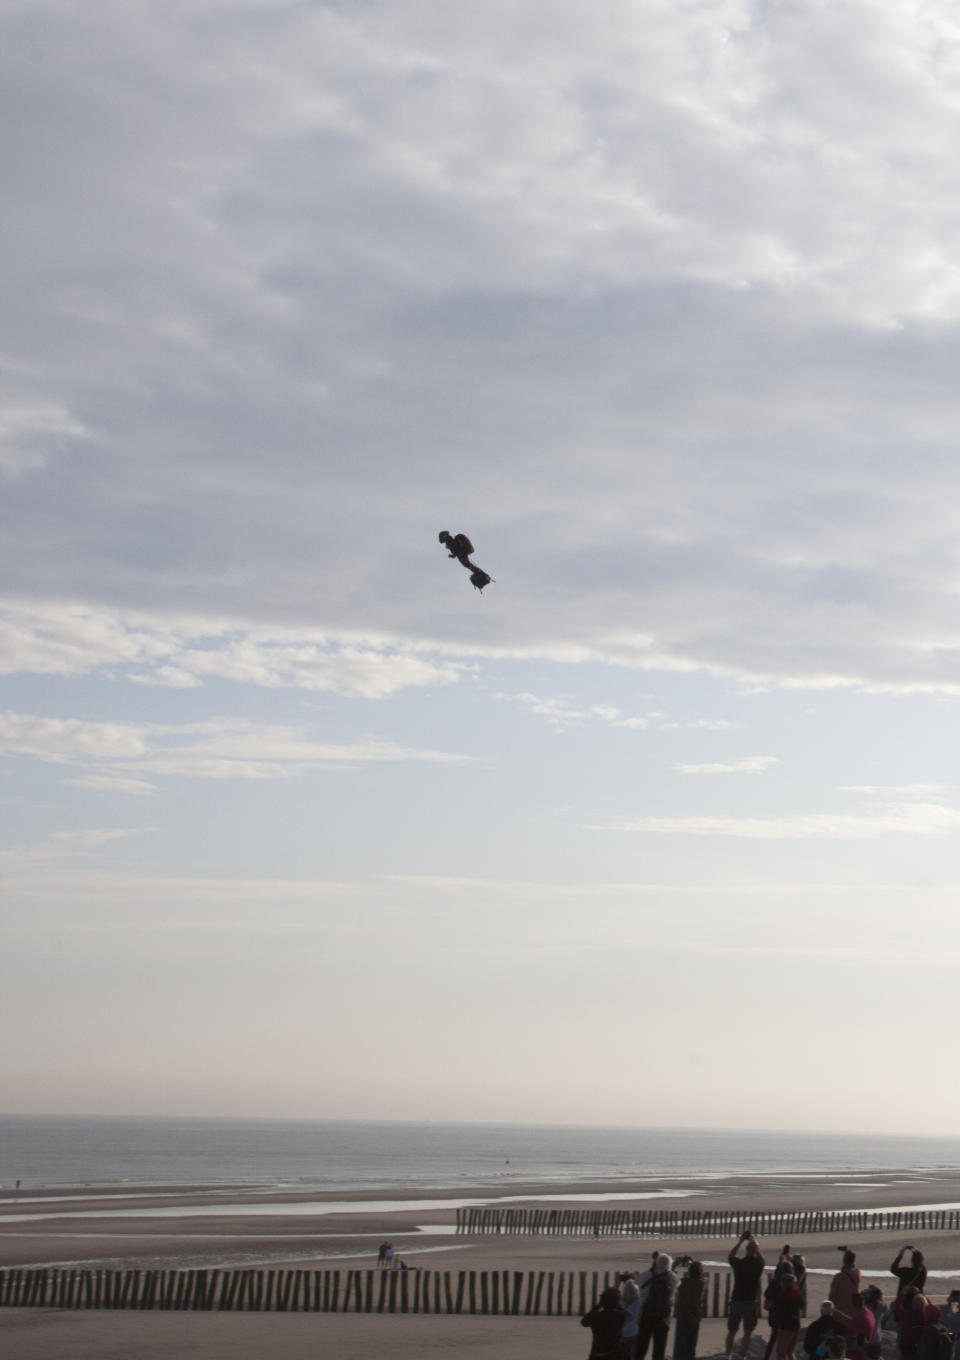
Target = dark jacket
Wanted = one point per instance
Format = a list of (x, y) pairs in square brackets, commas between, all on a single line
[(607, 1325)]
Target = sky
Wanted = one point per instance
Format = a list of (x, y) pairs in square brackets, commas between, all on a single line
[(659, 303)]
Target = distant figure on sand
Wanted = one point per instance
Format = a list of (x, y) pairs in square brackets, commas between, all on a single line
[(744, 1299), (606, 1321)]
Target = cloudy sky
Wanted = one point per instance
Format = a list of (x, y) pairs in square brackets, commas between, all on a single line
[(659, 302)]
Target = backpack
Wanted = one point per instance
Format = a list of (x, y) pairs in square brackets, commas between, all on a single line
[(936, 1343), (657, 1302)]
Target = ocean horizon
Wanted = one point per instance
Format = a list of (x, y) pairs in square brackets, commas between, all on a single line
[(352, 1155)]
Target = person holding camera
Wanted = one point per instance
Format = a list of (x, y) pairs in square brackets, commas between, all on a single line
[(656, 1308), (690, 1309), (744, 1299), (606, 1321), (915, 1273)]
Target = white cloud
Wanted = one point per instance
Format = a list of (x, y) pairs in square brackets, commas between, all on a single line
[(180, 652), (912, 819), (69, 739), (94, 837), (27, 431), (295, 277), (221, 748), (54, 848), (105, 783), (746, 765), (562, 713)]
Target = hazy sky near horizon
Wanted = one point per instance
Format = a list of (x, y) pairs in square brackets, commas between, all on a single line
[(657, 301)]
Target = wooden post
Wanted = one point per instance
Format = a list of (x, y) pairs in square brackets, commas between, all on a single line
[(536, 1300)]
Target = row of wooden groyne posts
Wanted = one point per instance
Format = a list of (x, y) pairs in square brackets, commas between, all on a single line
[(553, 1293), (541, 1293), (692, 1223)]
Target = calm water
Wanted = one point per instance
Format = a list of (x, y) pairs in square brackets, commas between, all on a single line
[(352, 1155)]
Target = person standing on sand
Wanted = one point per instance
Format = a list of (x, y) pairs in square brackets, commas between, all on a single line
[(690, 1310), (654, 1323), (786, 1265), (785, 1317), (630, 1297), (844, 1285), (915, 1273), (861, 1329), (607, 1320), (950, 1317), (744, 1300)]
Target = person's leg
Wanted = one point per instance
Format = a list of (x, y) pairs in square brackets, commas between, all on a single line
[(750, 1316), (660, 1330), (644, 1332), (772, 1340), (733, 1321), (786, 1342), (682, 1339)]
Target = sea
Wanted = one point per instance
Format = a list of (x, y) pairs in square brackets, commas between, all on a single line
[(352, 1156)]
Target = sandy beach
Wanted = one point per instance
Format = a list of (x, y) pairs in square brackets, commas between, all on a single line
[(196, 1226)]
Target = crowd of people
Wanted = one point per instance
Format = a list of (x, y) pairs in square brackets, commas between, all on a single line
[(634, 1316)]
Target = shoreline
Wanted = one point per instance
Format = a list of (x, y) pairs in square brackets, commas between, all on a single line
[(309, 1228), (245, 1227)]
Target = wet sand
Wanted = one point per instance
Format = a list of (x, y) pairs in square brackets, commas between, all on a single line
[(193, 1226)]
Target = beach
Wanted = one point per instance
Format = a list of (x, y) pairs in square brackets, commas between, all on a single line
[(231, 1227)]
